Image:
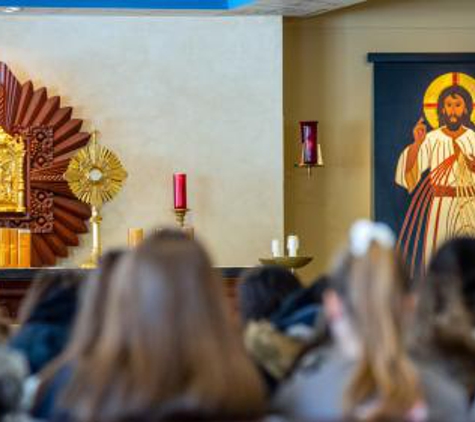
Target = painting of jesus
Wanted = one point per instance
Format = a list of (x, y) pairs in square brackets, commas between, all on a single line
[(429, 194), (438, 167)]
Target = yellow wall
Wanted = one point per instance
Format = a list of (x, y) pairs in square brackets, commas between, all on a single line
[(200, 95), (327, 78)]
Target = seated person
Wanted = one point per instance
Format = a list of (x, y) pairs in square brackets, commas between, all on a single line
[(46, 317), (444, 329), (167, 347), (367, 373), (48, 384), (283, 321)]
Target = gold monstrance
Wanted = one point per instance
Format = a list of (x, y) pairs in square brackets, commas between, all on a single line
[(95, 175)]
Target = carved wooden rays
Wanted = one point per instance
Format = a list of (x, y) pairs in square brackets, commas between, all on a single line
[(51, 137)]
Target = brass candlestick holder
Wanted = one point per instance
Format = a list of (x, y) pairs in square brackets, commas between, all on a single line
[(310, 167), (180, 216), (96, 251)]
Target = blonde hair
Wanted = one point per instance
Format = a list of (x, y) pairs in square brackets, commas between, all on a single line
[(167, 345), (374, 288)]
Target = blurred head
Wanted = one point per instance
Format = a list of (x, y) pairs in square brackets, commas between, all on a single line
[(53, 295), (262, 291), (166, 345), (89, 321), (368, 297), (91, 313), (47, 316), (446, 310), (455, 260)]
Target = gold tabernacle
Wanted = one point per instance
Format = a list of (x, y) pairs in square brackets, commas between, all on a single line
[(12, 183)]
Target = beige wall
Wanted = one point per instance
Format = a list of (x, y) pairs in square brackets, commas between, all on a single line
[(200, 95), (327, 78)]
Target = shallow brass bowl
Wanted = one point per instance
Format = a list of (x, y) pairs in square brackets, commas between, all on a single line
[(287, 261)]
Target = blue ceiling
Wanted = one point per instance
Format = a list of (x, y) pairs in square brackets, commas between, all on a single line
[(130, 4)]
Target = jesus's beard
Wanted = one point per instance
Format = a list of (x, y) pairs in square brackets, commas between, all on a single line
[(453, 125)]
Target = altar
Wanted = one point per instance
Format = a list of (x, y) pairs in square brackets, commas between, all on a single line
[(54, 181), (15, 282)]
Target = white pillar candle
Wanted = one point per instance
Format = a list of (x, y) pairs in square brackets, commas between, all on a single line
[(292, 245), (275, 248)]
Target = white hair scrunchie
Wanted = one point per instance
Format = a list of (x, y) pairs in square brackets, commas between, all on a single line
[(364, 232)]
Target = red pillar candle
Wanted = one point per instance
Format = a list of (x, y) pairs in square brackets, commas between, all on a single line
[(179, 190), (308, 131)]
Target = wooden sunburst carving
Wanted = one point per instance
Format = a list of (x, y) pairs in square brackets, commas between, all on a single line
[(52, 137)]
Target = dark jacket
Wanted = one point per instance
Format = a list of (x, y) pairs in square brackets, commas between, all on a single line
[(301, 308), (46, 332)]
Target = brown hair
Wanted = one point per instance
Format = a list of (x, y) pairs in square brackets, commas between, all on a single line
[(167, 345), (445, 316), (89, 321), (374, 288), (43, 284), (5, 326), (262, 290)]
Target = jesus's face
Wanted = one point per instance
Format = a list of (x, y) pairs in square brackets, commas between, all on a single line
[(454, 110)]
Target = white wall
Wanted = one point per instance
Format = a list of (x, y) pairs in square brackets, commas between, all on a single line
[(200, 95)]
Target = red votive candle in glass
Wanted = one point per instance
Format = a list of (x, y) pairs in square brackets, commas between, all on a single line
[(308, 131), (179, 190)]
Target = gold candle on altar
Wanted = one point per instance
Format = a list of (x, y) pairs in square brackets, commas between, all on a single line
[(24, 248), (135, 237), (4, 247), (14, 248)]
